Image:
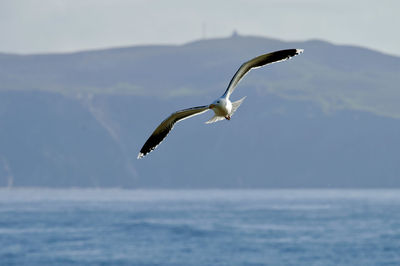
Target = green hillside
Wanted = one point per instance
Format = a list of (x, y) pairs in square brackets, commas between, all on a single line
[(327, 118)]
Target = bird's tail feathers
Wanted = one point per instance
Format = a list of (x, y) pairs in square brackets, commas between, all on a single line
[(214, 119), (235, 105)]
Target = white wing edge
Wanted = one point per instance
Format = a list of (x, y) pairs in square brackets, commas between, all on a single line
[(247, 66), (163, 129)]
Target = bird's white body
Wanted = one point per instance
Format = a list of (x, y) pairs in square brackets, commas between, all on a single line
[(223, 108)]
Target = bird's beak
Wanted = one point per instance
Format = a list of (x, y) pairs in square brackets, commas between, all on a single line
[(211, 106)]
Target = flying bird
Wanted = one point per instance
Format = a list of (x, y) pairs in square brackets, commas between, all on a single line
[(223, 108)]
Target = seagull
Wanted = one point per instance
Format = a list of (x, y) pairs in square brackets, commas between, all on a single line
[(223, 108)]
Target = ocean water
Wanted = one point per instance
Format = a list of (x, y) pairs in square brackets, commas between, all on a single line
[(199, 227)]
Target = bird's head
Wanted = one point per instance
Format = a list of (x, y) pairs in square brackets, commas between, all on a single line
[(219, 103)]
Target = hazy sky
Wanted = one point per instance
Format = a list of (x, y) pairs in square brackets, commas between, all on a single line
[(30, 26)]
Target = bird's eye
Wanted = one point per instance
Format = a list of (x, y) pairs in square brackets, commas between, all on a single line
[(217, 101)]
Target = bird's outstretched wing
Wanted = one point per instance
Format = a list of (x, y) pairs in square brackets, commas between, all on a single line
[(259, 61), (165, 127)]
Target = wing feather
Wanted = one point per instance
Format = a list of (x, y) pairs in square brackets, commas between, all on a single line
[(166, 126), (259, 61)]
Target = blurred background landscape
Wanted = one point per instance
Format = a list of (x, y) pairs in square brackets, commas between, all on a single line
[(84, 83), (305, 173), (328, 118)]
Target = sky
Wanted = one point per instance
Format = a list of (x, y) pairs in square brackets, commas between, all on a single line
[(42, 26)]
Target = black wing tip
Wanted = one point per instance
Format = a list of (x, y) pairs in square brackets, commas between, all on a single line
[(143, 152), (146, 149), (292, 53)]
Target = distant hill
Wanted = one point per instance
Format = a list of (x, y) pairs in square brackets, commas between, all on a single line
[(327, 118)]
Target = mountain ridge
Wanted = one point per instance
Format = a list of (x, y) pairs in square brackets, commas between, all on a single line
[(326, 118)]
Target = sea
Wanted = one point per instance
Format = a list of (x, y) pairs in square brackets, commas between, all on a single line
[(199, 227)]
